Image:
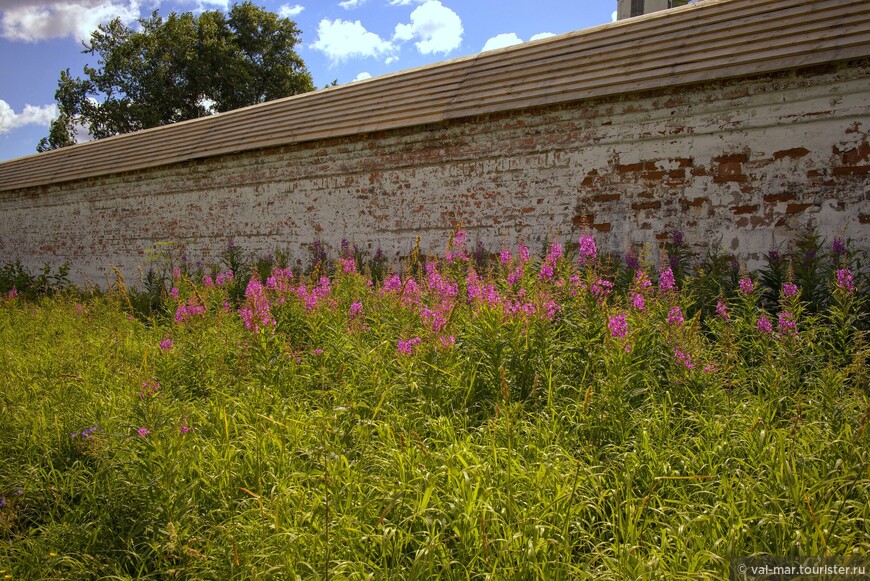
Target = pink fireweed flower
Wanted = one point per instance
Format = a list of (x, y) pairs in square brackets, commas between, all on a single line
[(348, 265), (641, 280), (149, 390), (173, 292), (280, 280), (515, 276), (457, 248), (845, 280), (666, 280), (208, 281), (523, 252), (256, 312), (478, 292), (185, 429), (407, 347), (392, 284), (787, 325), (722, 310), (587, 251), (434, 318), (601, 288), (438, 285), (618, 327), (447, 341), (317, 352), (187, 311), (224, 278), (555, 253), (684, 358), (710, 368), (764, 325), (746, 285), (12, 293), (675, 316), (789, 290), (79, 308), (637, 301), (355, 309), (176, 273), (166, 344), (142, 432), (552, 308), (546, 272), (411, 289), (505, 256)]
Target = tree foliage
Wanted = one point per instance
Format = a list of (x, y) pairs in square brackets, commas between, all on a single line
[(182, 67)]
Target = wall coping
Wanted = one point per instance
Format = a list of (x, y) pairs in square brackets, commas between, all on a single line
[(706, 41)]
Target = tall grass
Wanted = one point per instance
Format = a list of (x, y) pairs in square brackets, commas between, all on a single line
[(473, 418)]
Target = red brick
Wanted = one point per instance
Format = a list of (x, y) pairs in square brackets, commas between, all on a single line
[(748, 209), (851, 171), (732, 158), (794, 153), (646, 205), (729, 172), (796, 208), (694, 202), (783, 197), (654, 175), (590, 178)]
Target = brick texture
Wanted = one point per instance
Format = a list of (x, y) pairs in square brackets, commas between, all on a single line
[(742, 165)]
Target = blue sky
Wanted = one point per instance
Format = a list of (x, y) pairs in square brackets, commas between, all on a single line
[(342, 40)]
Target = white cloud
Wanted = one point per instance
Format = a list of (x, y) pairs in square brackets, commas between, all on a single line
[(613, 16), (30, 115), (202, 5), (390, 60), (541, 35), (351, 4), (362, 76), (437, 28), (341, 39), (404, 2), (35, 20), (501, 41), (287, 11)]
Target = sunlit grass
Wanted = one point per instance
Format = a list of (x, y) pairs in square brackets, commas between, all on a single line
[(517, 420)]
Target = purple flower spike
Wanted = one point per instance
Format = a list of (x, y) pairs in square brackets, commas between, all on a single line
[(722, 310), (845, 280), (789, 290), (588, 252), (666, 280), (618, 326)]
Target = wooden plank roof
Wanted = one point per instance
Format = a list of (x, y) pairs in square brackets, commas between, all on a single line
[(715, 39)]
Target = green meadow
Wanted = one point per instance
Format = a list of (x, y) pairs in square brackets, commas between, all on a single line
[(564, 415)]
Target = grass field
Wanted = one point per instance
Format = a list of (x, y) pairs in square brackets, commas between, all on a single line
[(561, 417)]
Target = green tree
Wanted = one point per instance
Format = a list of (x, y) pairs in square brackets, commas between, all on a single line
[(182, 67)]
